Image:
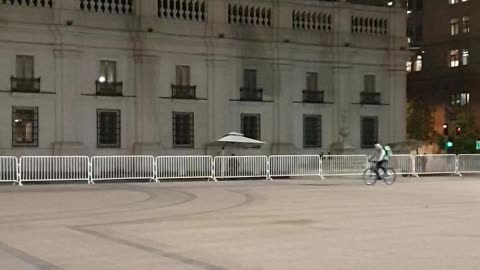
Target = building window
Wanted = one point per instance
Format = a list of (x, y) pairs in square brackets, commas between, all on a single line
[(454, 27), (183, 129), (460, 99), (25, 67), (108, 71), (251, 125), (454, 58), (250, 79), (409, 66), (312, 131), (369, 83), (369, 131), (418, 63), (25, 126), (108, 128), (183, 75), (466, 24), (312, 81), (465, 57), (451, 2)]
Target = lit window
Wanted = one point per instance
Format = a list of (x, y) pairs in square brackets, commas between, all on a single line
[(454, 27), (465, 57), (454, 58), (460, 99), (409, 66), (418, 63), (25, 126), (466, 24), (451, 2)]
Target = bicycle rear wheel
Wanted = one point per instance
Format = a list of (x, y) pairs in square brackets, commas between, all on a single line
[(369, 177), (390, 176)]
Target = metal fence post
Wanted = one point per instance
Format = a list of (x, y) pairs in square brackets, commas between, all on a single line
[(457, 165), (90, 173), (268, 169), (19, 174), (414, 166), (155, 170)]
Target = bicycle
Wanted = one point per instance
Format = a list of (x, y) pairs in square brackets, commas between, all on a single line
[(370, 177)]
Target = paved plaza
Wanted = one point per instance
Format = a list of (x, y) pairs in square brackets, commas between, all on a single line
[(305, 224)]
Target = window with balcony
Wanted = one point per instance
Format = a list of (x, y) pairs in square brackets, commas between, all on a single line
[(251, 125), (369, 131), (24, 80), (183, 129), (108, 128), (465, 57), (249, 91), (25, 126), (454, 27), (460, 99), (312, 131), (369, 94), (466, 24), (311, 94), (454, 58), (182, 88), (107, 84)]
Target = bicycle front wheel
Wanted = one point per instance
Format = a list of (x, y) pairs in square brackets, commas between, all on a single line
[(390, 176), (369, 177)]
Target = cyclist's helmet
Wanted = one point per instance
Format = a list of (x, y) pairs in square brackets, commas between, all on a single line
[(378, 146)]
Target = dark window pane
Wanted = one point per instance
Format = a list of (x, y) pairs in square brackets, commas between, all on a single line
[(183, 129), (369, 131), (25, 126), (312, 131), (108, 128), (250, 78), (251, 125)]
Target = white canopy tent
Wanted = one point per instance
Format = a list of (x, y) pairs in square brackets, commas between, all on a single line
[(235, 138)]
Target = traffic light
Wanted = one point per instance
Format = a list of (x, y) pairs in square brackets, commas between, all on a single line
[(458, 131), (445, 129), (448, 143)]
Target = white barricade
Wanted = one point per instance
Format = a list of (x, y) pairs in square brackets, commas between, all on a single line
[(469, 163), (8, 169), (184, 167), (435, 164), (54, 168), (344, 165), (241, 167), (294, 165), (123, 168), (402, 164)]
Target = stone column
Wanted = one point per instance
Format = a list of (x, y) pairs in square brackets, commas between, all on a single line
[(282, 108), (67, 62), (147, 129)]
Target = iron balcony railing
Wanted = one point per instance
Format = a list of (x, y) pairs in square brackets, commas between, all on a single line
[(109, 88), (369, 98), (247, 94), (25, 84), (313, 96), (184, 91)]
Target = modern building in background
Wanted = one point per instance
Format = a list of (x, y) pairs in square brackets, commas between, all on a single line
[(172, 76), (444, 71)]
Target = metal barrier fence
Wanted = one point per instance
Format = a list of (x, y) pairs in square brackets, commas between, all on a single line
[(184, 167), (8, 169), (291, 165), (241, 167), (343, 165), (123, 168), (54, 168), (468, 163), (436, 164), (402, 164)]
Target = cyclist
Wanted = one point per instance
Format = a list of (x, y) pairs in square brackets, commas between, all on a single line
[(380, 158)]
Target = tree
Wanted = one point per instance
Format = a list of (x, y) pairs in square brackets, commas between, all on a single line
[(420, 121), (465, 142)]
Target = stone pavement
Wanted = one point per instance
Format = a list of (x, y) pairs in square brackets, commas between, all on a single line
[(426, 223)]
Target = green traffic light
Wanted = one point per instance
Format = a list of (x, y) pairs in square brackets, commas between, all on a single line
[(449, 144)]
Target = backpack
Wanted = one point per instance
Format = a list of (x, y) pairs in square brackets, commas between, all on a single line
[(388, 151)]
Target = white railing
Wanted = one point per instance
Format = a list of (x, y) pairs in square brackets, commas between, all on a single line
[(8, 169), (435, 164), (402, 164), (54, 168), (184, 167), (343, 165), (123, 168), (290, 165), (241, 167), (469, 163)]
